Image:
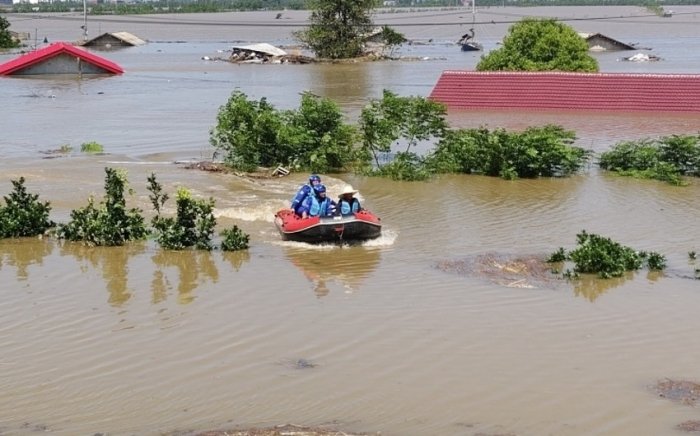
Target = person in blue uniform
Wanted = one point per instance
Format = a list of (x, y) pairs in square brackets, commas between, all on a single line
[(304, 192), (317, 204), (347, 203)]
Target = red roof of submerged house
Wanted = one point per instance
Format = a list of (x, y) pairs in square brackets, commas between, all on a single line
[(575, 91), (58, 48)]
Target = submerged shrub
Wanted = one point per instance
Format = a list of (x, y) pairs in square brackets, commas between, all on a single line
[(666, 159), (600, 255), (23, 213), (536, 152), (234, 239), (110, 223), (193, 226), (405, 166), (91, 147)]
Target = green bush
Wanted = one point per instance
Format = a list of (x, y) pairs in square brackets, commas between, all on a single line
[(603, 256), (536, 152), (234, 239), (110, 223), (666, 159), (91, 147), (23, 213), (405, 166), (193, 225)]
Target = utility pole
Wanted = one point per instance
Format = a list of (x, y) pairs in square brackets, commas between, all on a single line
[(84, 26)]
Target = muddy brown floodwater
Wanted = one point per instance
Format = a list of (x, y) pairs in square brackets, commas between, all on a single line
[(445, 325)]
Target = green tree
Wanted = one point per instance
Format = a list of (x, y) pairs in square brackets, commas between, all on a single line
[(391, 39), (246, 132), (540, 45), (318, 138), (253, 134), (338, 27), (394, 118), (6, 40)]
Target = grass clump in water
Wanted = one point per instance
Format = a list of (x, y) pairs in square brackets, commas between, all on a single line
[(91, 147)]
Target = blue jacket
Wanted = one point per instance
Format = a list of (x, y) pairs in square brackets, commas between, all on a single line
[(314, 206), (302, 194), (348, 208)]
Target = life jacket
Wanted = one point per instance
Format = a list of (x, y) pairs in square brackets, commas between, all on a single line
[(347, 208), (317, 208)]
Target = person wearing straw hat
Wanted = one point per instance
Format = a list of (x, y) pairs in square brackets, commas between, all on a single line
[(347, 203)]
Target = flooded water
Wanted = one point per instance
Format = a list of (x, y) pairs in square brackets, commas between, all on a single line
[(369, 338)]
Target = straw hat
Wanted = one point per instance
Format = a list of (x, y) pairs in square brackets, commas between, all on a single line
[(347, 189)]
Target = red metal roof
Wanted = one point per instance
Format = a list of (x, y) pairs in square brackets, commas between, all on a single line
[(56, 49), (576, 91)]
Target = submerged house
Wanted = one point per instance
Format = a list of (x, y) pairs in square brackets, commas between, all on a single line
[(114, 39), (549, 90), (59, 58), (600, 42)]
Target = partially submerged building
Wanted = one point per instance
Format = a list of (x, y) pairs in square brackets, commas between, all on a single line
[(508, 90), (59, 58), (256, 53), (114, 40), (600, 42)]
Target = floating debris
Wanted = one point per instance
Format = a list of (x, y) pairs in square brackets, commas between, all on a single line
[(642, 57), (505, 270), (689, 426), (282, 430), (682, 391)]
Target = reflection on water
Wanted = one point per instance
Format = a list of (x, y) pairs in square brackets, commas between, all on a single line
[(24, 252), (236, 258), (348, 266), (194, 268), (345, 84), (113, 261), (590, 286)]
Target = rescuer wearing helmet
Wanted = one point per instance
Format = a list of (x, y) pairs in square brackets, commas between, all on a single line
[(317, 204), (304, 192)]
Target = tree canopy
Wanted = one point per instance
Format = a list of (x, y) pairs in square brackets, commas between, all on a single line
[(6, 40), (540, 45), (338, 27)]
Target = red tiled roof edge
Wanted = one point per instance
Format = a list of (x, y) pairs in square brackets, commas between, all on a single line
[(56, 49), (564, 90)]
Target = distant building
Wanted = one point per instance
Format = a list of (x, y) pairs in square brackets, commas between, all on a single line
[(600, 42), (115, 39), (59, 58)]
